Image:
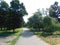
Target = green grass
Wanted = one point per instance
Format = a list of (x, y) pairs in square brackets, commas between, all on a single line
[(17, 33), (51, 39)]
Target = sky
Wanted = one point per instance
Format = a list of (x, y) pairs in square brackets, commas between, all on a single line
[(32, 5)]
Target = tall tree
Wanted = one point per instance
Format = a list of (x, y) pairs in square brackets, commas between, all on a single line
[(3, 13), (16, 13), (12, 17), (53, 11)]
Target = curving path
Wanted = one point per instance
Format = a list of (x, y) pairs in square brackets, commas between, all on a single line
[(27, 38)]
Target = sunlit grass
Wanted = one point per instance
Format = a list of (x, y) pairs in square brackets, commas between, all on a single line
[(17, 36)]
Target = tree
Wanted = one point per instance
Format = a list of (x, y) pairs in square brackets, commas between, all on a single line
[(16, 13), (53, 10), (3, 14), (49, 24), (36, 20), (11, 17)]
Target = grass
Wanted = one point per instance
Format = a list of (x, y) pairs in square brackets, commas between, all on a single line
[(51, 39), (17, 34)]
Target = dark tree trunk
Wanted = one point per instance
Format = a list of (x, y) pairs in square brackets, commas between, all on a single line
[(1, 28), (13, 30)]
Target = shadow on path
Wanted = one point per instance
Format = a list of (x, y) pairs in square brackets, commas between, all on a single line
[(28, 38), (27, 33)]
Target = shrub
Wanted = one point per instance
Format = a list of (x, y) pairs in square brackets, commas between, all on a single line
[(49, 24), (57, 27)]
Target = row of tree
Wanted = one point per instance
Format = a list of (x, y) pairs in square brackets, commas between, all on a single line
[(11, 17), (47, 23)]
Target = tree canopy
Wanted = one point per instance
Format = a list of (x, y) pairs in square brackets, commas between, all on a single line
[(12, 16)]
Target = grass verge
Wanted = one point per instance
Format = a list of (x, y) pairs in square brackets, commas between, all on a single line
[(17, 36), (51, 39), (11, 37)]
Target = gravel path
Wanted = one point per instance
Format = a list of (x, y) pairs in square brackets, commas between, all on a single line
[(27, 38)]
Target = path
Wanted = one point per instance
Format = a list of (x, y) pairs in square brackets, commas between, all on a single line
[(27, 38)]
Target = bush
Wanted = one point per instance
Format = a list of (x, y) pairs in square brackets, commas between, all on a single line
[(57, 27), (51, 29), (49, 24)]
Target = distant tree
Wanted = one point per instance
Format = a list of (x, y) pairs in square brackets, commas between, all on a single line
[(49, 24), (53, 10), (36, 20)]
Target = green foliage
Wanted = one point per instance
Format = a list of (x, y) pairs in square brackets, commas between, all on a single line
[(35, 21), (57, 27), (47, 21), (11, 17), (16, 12), (4, 4), (48, 24), (53, 10)]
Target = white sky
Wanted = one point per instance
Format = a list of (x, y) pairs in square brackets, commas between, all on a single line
[(32, 5)]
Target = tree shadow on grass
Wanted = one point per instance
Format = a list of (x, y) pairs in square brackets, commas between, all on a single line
[(49, 34), (6, 34), (44, 34)]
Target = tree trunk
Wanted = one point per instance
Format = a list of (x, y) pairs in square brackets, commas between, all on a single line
[(13, 30), (1, 28), (4, 28)]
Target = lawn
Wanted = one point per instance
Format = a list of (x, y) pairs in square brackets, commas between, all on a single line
[(10, 37), (51, 39)]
